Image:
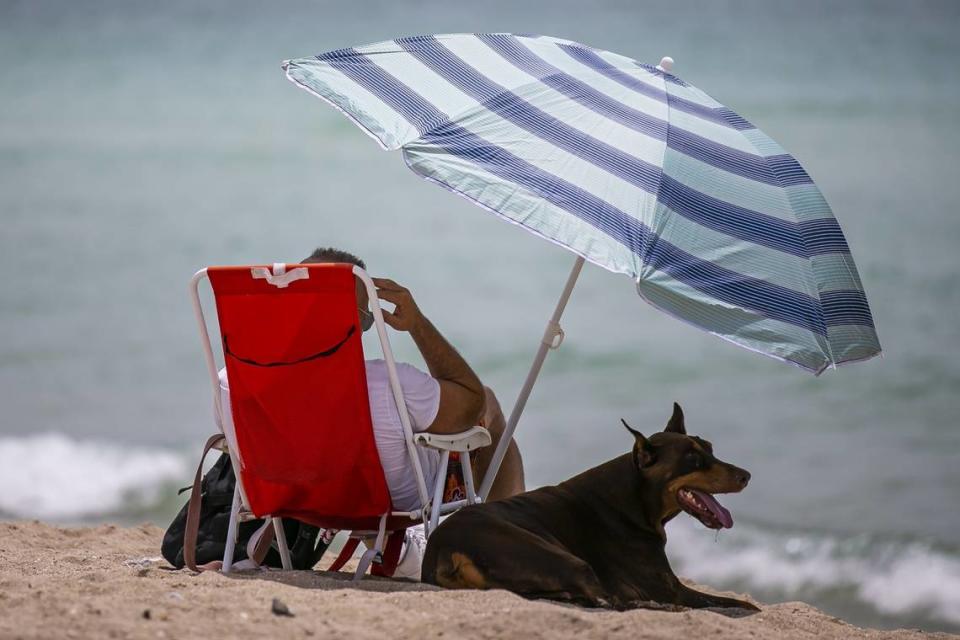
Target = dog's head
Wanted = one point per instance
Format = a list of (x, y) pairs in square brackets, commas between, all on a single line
[(683, 469)]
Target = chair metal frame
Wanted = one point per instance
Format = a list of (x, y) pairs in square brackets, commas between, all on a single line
[(431, 503)]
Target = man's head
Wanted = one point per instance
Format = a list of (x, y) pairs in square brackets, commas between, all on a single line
[(326, 255)]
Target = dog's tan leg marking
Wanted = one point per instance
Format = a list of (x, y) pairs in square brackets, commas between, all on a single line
[(463, 574)]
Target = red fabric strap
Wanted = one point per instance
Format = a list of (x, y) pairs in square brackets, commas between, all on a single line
[(345, 554)]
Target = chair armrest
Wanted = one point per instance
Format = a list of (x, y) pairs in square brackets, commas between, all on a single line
[(472, 438)]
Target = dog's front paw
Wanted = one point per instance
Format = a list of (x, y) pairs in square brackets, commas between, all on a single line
[(734, 608)]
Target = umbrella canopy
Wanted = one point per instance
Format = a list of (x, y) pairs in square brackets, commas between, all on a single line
[(627, 166)]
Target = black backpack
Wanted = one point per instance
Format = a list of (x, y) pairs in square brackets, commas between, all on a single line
[(216, 495)]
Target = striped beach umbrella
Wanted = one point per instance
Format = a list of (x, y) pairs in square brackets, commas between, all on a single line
[(627, 166)]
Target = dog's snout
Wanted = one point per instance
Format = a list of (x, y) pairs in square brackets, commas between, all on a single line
[(743, 477)]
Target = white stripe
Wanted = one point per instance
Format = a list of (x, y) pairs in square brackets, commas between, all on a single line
[(478, 55), (705, 128), (807, 202), (520, 206), (390, 128), (423, 80), (576, 116), (614, 90), (835, 272), (853, 342), (745, 328), (728, 187), (763, 144), (727, 136), (741, 256)]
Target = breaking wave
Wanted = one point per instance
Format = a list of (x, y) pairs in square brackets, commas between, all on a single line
[(862, 577), (56, 477)]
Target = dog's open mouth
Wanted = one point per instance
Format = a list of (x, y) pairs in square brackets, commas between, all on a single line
[(705, 508)]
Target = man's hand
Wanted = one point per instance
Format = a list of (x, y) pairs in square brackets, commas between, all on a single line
[(406, 315), (461, 394)]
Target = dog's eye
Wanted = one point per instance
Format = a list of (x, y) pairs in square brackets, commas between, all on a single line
[(694, 460)]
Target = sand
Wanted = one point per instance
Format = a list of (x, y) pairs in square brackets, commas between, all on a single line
[(110, 582)]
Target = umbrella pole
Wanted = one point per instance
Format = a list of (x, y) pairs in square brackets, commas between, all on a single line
[(552, 337)]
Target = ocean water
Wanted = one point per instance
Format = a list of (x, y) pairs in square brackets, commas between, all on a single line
[(142, 141)]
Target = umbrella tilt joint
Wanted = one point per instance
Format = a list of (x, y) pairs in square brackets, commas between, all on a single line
[(552, 339)]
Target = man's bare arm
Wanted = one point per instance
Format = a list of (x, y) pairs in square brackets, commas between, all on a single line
[(461, 393)]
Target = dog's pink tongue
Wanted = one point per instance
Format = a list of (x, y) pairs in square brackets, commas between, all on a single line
[(715, 508)]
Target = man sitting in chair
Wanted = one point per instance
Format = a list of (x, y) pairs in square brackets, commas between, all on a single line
[(449, 399)]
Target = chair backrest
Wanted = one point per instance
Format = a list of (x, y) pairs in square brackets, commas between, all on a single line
[(298, 391)]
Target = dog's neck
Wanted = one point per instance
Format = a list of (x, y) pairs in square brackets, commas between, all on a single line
[(621, 496)]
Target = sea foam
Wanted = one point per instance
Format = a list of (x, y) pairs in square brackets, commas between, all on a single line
[(56, 477), (893, 577)]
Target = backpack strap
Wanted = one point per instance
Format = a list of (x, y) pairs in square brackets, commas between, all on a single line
[(193, 508)]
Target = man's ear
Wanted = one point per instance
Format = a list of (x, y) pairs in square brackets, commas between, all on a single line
[(643, 455), (676, 421)]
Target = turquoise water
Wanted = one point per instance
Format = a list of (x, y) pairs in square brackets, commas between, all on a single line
[(139, 142)]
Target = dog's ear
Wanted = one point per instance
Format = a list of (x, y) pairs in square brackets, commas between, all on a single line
[(676, 421), (643, 455)]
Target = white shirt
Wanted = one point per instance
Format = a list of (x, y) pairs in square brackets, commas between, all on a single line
[(421, 392)]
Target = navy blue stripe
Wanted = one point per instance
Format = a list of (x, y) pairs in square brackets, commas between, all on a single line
[(764, 298), (720, 115), (585, 205), (848, 306), (418, 112), (716, 214), (515, 109), (512, 51), (823, 236), (788, 171), (803, 239), (708, 151), (771, 300)]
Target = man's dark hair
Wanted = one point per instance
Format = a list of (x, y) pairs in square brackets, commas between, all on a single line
[(329, 254)]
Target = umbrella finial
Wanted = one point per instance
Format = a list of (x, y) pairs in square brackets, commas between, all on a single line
[(666, 64)]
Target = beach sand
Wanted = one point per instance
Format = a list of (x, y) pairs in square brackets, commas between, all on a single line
[(110, 582)]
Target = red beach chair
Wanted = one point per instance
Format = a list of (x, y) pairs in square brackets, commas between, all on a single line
[(299, 431)]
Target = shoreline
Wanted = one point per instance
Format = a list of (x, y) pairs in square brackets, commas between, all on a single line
[(109, 581)]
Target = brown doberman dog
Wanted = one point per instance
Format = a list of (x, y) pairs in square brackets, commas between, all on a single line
[(597, 539)]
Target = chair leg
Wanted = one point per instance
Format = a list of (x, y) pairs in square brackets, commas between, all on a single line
[(372, 554), (365, 561), (232, 530), (282, 544), (438, 491), (468, 477)]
